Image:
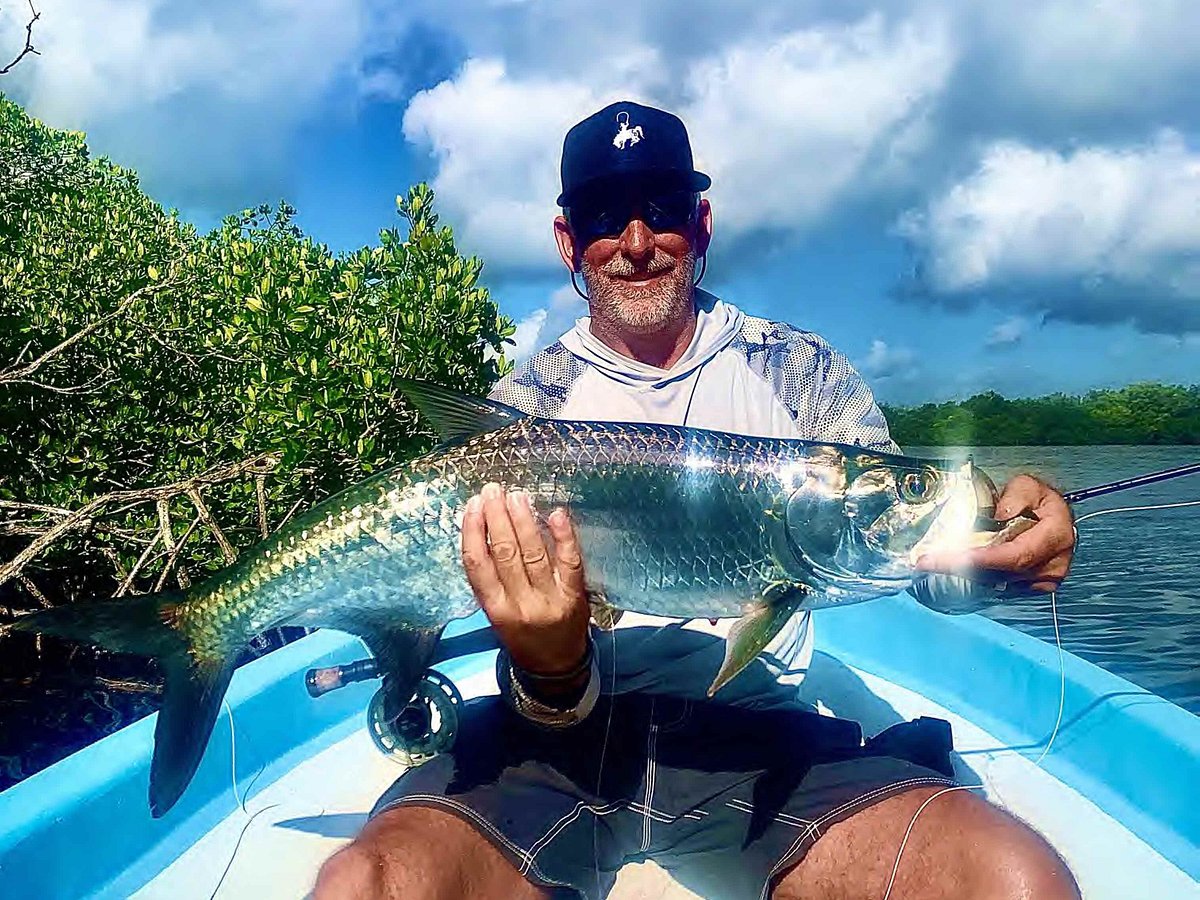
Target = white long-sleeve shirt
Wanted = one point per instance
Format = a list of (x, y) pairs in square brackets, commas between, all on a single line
[(739, 374)]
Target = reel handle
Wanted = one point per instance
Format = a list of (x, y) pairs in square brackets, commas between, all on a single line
[(322, 681)]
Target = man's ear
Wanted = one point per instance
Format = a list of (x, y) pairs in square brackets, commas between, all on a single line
[(704, 227), (565, 239)]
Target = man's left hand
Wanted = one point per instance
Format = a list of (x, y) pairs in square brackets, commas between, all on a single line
[(1038, 558)]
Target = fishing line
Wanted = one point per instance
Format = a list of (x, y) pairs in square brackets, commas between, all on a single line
[(240, 798), (612, 693), (1119, 509), (1062, 687), (1054, 733)]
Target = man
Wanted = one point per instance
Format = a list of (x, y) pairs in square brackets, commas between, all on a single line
[(550, 790)]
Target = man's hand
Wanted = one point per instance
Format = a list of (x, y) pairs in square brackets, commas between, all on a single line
[(534, 596), (1038, 558)]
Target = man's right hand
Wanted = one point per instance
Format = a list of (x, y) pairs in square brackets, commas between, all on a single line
[(533, 595)]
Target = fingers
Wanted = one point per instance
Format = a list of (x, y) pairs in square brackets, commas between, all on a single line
[(477, 560), (568, 561), (1039, 557), (536, 558), (1022, 494), (502, 540)]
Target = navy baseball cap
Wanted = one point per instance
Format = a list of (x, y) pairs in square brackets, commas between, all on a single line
[(627, 141)]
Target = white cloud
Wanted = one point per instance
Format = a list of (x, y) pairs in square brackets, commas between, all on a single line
[(545, 325), (1096, 234), (202, 95), (884, 361), (525, 337), (1090, 56), (787, 126), (497, 140)]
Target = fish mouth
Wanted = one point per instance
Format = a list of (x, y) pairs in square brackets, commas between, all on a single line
[(955, 527)]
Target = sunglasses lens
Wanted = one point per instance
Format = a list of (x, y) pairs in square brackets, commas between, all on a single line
[(607, 218)]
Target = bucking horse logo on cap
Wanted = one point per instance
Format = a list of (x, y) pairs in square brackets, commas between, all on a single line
[(626, 136)]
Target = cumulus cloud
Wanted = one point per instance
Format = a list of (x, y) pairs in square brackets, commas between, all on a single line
[(785, 124), (203, 96), (886, 362), (545, 325), (497, 141), (1096, 234), (1084, 58), (525, 337)]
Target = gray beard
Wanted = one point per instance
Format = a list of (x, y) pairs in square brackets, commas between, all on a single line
[(643, 310)]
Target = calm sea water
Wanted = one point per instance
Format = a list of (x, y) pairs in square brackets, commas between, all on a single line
[(1131, 603)]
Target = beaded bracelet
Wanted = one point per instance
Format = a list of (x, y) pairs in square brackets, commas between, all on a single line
[(533, 680)]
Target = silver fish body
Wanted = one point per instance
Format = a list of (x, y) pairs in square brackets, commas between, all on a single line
[(676, 522)]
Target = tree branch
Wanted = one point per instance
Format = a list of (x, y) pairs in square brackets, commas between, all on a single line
[(211, 523), (260, 491), (23, 373), (28, 49), (184, 581), (264, 462), (168, 539)]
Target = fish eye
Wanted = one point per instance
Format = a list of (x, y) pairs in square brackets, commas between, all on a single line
[(918, 487)]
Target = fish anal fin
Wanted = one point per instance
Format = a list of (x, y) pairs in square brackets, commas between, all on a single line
[(403, 655), (753, 631), (454, 415), (604, 614)]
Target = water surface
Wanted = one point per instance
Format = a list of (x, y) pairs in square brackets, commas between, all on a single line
[(1131, 603)]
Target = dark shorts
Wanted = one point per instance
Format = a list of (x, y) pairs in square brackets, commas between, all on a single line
[(724, 798)]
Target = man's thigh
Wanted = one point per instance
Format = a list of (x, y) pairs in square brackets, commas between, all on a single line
[(959, 846)]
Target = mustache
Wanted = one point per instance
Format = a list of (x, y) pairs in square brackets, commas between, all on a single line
[(621, 267)]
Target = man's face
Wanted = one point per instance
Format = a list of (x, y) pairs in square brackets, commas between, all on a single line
[(638, 277)]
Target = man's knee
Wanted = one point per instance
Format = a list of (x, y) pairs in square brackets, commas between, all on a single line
[(959, 846), (1017, 860), (395, 855), (353, 873), (420, 854)]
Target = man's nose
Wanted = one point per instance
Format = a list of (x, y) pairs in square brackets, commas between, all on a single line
[(637, 240)]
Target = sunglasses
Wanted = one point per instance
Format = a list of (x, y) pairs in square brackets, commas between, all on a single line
[(608, 216)]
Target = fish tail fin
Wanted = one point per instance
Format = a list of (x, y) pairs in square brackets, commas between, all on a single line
[(194, 685), (191, 701)]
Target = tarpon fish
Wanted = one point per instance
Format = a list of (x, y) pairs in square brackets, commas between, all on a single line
[(677, 522)]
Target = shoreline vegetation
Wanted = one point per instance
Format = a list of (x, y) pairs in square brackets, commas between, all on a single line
[(1142, 413)]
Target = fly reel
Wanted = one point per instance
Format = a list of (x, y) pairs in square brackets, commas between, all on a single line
[(423, 728)]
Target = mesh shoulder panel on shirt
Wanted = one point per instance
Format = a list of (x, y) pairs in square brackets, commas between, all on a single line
[(827, 398), (540, 386)]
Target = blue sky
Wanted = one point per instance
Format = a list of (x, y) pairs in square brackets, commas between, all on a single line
[(962, 196)]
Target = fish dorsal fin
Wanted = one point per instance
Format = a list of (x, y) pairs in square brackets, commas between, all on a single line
[(456, 416)]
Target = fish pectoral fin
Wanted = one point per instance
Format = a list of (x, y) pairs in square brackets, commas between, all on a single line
[(456, 416), (753, 631), (604, 614)]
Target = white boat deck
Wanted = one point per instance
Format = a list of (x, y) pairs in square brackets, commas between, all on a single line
[(292, 825)]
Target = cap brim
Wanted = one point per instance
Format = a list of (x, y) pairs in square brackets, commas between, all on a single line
[(655, 178)]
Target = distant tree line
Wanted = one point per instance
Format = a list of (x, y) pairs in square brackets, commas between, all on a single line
[(1144, 413)]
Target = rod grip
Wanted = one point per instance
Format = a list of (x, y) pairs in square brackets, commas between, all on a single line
[(321, 681)]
